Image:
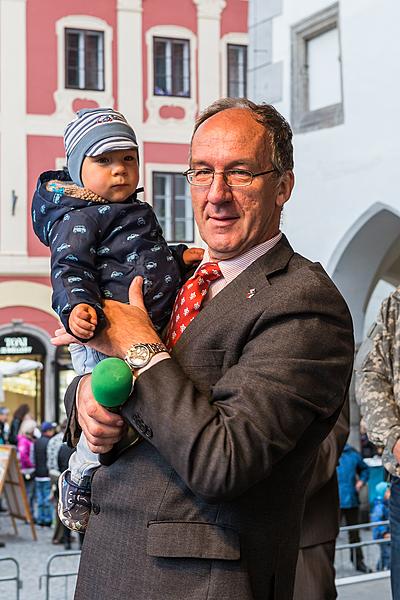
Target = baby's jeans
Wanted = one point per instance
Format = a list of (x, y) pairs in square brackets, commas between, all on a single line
[(83, 462)]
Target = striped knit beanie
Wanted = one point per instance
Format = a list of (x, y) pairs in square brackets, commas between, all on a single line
[(93, 132)]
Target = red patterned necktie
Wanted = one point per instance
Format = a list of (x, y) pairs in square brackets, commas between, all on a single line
[(189, 300)]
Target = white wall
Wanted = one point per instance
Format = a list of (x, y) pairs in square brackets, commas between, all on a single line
[(342, 171)]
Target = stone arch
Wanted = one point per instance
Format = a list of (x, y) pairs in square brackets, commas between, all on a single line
[(368, 252)]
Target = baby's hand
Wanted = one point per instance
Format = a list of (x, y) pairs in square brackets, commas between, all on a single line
[(82, 321), (192, 255)]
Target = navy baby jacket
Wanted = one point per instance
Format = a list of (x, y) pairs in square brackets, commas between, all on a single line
[(98, 248)]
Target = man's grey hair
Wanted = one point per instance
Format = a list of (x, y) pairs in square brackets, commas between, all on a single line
[(278, 131)]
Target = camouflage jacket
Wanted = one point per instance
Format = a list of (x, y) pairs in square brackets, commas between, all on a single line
[(378, 381)]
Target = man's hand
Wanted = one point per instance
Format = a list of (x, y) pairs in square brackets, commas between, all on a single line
[(62, 338), (192, 255), (126, 324), (101, 427), (82, 321), (396, 451), (359, 485)]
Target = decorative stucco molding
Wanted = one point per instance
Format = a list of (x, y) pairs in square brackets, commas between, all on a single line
[(209, 9), (130, 5)]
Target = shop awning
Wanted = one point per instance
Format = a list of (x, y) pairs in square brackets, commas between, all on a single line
[(9, 368)]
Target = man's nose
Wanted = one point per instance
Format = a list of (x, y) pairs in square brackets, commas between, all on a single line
[(219, 191)]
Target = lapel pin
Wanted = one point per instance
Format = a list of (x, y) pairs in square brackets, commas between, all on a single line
[(251, 293)]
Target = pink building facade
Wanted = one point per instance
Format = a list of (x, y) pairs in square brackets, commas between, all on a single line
[(157, 62)]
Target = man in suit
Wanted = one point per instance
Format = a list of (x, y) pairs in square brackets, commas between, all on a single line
[(209, 504)]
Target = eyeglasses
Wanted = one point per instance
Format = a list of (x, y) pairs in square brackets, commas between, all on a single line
[(232, 177)]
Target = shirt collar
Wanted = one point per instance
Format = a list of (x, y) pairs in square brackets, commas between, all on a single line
[(232, 267)]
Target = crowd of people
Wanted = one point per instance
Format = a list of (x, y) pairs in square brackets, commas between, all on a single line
[(353, 475), (42, 456)]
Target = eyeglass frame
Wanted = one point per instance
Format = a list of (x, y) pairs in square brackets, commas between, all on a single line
[(223, 173)]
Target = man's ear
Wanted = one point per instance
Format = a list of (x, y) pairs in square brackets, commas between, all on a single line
[(285, 188)]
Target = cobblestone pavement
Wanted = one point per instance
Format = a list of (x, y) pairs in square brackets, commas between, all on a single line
[(367, 591), (33, 556)]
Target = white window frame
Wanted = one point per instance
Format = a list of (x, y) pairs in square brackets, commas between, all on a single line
[(171, 223), (64, 97), (81, 58), (152, 168), (242, 55), (303, 119), (236, 39), (186, 63), (154, 102)]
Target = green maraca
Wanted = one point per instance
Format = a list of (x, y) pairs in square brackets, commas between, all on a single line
[(112, 383)]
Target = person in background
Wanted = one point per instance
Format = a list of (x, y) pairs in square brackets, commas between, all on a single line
[(25, 450), (352, 474), (4, 428), (380, 512), (42, 480), (21, 413), (53, 448), (64, 454), (377, 393), (368, 449)]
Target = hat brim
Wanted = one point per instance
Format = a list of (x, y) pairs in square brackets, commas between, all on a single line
[(111, 146)]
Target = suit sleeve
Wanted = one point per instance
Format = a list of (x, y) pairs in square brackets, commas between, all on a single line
[(290, 379), (73, 429), (329, 452), (73, 246)]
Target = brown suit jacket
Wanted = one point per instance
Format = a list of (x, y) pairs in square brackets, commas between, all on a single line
[(321, 512), (209, 505)]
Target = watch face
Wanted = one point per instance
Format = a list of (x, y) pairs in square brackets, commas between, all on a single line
[(138, 356)]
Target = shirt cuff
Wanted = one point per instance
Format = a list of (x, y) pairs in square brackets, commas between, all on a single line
[(153, 361)]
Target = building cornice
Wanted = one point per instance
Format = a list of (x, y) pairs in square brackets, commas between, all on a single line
[(12, 265)]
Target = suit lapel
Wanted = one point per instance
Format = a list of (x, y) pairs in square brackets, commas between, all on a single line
[(251, 281)]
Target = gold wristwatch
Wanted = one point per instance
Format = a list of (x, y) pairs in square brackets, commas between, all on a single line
[(139, 355)]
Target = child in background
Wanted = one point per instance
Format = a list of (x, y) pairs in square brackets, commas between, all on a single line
[(101, 237), (26, 457), (380, 512)]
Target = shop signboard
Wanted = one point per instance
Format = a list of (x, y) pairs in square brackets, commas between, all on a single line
[(20, 343)]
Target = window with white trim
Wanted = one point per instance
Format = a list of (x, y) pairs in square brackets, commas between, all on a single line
[(171, 67), (84, 59), (317, 93), (237, 70), (173, 207)]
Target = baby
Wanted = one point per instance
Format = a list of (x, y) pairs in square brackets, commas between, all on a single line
[(101, 236)]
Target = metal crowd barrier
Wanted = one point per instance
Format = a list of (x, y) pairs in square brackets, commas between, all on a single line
[(53, 574), (16, 577), (346, 572)]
